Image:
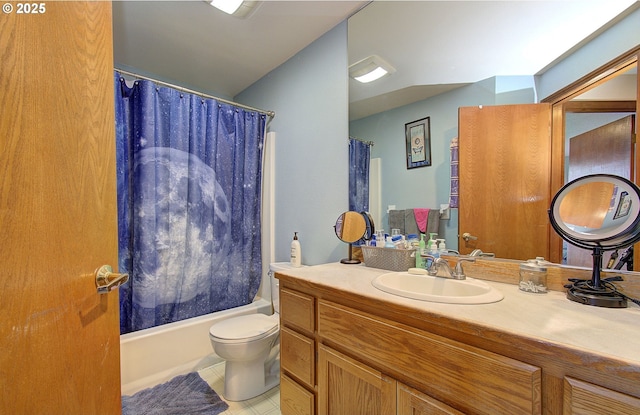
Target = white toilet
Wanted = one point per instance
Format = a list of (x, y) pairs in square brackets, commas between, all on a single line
[(251, 347)]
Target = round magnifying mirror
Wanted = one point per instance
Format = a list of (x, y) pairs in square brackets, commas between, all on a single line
[(351, 227), (597, 211), (600, 212)]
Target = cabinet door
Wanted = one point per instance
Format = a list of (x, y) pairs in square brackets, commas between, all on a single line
[(582, 398), (413, 402), (348, 387)]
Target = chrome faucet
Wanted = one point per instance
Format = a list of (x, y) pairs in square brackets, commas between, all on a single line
[(438, 264)]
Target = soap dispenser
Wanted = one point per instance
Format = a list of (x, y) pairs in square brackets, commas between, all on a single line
[(422, 250), (442, 248), (296, 251), (433, 249)]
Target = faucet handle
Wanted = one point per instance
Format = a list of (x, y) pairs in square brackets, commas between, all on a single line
[(458, 271)]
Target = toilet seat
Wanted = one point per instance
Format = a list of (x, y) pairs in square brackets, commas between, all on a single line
[(244, 328)]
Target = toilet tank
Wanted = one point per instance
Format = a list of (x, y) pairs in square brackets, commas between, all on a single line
[(275, 284)]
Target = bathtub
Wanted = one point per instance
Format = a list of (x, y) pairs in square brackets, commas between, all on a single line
[(152, 356)]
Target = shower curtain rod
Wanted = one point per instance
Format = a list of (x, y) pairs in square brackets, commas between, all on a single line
[(371, 143), (270, 114)]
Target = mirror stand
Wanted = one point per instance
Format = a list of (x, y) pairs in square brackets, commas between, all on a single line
[(350, 228), (350, 260), (600, 212), (596, 292)]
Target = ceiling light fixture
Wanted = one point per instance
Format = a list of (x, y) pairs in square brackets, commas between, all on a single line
[(369, 69), (237, 8)]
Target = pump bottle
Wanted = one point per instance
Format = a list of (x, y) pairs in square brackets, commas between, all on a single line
[(442, 248), (422, 250), (296, 252)]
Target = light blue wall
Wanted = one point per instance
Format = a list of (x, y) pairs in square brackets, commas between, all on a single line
[(309, 94)]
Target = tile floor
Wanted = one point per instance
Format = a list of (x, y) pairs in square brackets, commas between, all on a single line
[(266, 404)]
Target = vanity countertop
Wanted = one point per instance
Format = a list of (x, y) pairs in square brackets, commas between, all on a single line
[(550, 317)]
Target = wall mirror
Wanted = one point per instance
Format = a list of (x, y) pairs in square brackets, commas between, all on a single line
[(623, 67), (599, 213), (594, 121), (352, 227), (599, 134)]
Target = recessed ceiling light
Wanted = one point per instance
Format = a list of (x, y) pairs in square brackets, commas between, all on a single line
[(238, 8), (369, 69)]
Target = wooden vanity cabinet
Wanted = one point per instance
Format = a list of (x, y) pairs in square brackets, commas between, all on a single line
[(342, 355), (455, 375)]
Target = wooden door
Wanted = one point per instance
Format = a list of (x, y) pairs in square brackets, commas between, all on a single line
[(504, 170), (59, 339), (348, 387), (606, 149)]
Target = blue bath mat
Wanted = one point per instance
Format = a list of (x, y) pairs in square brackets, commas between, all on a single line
[(185, 394)]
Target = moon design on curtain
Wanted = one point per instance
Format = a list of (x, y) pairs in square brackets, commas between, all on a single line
[(189, 196)]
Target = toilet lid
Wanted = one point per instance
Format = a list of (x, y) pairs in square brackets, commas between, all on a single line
[(252, 326)]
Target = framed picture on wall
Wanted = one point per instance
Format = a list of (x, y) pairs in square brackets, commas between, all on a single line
[(418, 142)]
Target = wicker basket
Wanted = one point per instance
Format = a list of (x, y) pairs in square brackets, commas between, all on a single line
[(389, 258)]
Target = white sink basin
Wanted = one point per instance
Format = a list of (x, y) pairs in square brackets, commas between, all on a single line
[(436, 289)]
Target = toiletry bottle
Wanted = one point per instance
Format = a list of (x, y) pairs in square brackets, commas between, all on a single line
[(296, 252), (442, 248), (389, 243), (422, 250), (433, 249), (432, 240)]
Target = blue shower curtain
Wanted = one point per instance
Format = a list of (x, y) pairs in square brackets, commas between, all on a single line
[(189, 173), (359, 158)]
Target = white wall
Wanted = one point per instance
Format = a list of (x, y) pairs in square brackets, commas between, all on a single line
[(309, 94)]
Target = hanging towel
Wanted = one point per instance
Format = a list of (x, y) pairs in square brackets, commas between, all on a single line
[(453, 196), (421, 216), (396, 221), (410, 225), (433, 221)]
